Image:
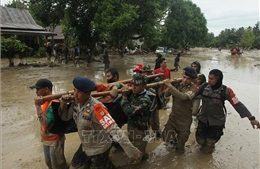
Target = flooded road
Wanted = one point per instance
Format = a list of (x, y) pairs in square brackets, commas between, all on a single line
[(238, 147)]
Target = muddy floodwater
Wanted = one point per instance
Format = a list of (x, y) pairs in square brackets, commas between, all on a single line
[(237, 149)]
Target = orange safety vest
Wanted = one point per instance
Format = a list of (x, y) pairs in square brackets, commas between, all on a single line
[(45, 135), (104, 87)]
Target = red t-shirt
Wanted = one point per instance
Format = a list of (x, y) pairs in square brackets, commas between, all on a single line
[(166, 75), (166, 72)]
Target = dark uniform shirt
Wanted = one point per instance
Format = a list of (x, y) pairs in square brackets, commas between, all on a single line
[(213, 112)]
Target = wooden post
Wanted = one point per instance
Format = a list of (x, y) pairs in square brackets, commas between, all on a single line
[(99, 94)]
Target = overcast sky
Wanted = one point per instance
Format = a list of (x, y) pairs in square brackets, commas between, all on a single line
[(221, 14), (3, 2)]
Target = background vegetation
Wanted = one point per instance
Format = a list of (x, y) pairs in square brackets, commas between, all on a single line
[(177, 24)]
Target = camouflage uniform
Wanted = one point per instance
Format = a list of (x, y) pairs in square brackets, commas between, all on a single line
[(154, 119), (137, 107), (180, 119)]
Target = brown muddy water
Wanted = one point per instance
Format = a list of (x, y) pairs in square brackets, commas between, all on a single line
[(238, 148)]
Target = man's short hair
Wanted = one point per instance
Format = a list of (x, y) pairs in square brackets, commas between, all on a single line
[(161, 60), (113, 71)]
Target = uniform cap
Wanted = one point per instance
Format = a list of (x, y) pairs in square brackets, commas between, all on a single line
[(42, 83), (138, 67), (147, 69), (189, 71), (139, 79), (84, 84)]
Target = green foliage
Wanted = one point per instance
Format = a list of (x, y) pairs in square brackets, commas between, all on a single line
[(41, 53), (210, 40), (114, 20), (49, 13), (148, 24), (11, 47), (185, 25), (256, 31), (247, 39), (256, 43), (169, 23), (114, 14), (228, 38), (78, 22), (16, 4)]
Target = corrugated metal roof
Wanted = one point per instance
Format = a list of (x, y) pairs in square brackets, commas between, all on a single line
[(13, 18), (58, 31), (26, 32)]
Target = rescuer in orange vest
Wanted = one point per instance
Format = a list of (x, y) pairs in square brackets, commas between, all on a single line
[(53, 144)]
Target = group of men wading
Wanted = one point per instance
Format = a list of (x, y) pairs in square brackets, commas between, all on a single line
[(99, 131)]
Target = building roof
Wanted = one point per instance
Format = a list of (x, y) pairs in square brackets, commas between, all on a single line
[(58, 31), (19, 21)]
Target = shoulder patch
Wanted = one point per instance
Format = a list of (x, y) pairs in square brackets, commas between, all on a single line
[(233, 99), (103, 116)]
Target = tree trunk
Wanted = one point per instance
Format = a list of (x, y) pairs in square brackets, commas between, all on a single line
[(122, 51), (11, 62)]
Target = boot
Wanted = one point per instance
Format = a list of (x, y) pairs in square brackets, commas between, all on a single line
[(200, 141), (145, 156), (158, 134), (209, 146), (180, 148), (170, 145)]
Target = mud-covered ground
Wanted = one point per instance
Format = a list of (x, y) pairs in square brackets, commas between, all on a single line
[(238, 148)]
